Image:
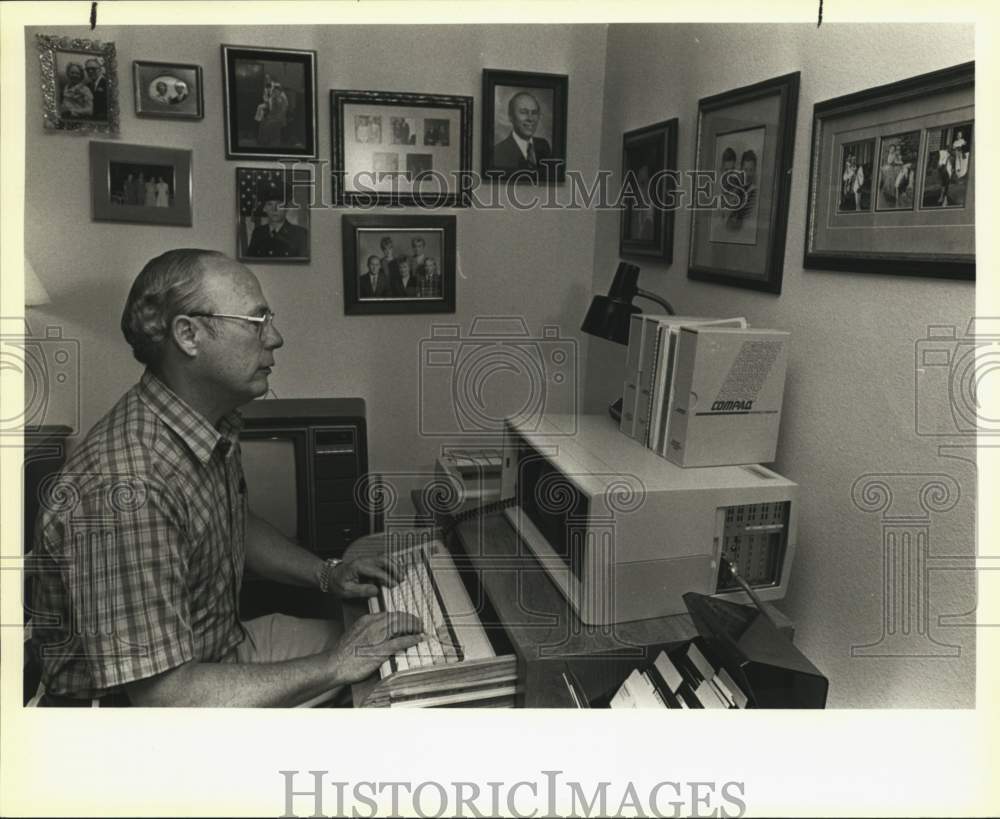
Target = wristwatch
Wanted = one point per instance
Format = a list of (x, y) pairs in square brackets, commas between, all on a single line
[(326, 573)]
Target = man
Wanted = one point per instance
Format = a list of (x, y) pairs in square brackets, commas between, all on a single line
[(98, 85), (418, 260), (375, 284), (278, 238), (143, 541), (522, 150)]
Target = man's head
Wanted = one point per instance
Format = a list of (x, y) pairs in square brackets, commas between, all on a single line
[(728, 159), (524, 112), (418, 246), (227, 359), (386, 246), (94, 69), (273, 212), (431, 266), (748, 165), (374, 264)]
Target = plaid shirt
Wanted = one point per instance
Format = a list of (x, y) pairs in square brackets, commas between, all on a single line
[(140, 547)]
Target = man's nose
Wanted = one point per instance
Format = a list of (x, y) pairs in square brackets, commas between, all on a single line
[(273, 340)]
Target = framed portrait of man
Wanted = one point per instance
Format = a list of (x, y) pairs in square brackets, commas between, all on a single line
[(524, 126), (273, 207)]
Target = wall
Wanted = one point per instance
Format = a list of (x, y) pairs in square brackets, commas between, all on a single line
[(849, 402), (529, 264)]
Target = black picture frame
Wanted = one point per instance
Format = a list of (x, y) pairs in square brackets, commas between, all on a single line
[(168, 90), (502, 158), (649, 154), (122, 187), (744, 144), (270, 102), (89, 106), (901, 216), (400, 149), (363, 237), (278, 197)]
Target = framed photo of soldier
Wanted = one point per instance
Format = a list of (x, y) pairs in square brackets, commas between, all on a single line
[(167, 90), (79, 85), (273, 207), (649, 165), (524, 126), (270, 102), (401, 149), (140, 183), (399, 264)]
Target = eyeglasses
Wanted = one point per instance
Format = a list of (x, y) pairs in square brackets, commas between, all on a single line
[(263, 322)]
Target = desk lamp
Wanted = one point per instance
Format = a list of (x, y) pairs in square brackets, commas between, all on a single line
[(609, 316)]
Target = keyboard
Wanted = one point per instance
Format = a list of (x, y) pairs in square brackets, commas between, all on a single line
[(433, 591)]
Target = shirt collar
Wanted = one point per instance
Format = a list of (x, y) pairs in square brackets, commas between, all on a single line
[(191, 426), (521, 143)]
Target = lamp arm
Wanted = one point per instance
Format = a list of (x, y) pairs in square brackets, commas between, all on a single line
[(658, 299)]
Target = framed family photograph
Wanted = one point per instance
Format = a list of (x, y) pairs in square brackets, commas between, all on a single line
[(139, 183), (649, 165), (524, 126), (892, 179), (167, 90), (273, 207), (399, 264), (270, 98), (393, 148), (744, 144), (79, 85)]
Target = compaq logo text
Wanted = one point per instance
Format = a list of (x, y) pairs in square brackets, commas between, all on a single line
[(728, 406)]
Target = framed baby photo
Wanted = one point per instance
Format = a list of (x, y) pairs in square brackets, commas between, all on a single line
[(167, 90), (273, 207), (79, 85), (392, 148), (744, 143), (140, 183), (399, 264), (649, 168), (524, 126), (270, 102), (892, 179)]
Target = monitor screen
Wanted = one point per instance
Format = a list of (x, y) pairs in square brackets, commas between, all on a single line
[(269, 467)]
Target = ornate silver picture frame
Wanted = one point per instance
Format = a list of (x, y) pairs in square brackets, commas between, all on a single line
[(79, 85)]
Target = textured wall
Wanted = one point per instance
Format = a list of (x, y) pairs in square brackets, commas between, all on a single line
[(849, 401), (530, 264)]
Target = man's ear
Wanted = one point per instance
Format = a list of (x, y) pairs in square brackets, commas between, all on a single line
[(186, 335)]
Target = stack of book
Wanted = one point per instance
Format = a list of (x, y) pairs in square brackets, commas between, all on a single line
[(682, 679)]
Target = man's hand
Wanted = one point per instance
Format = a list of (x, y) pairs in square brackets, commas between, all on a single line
[(352, 577), (371, 641)]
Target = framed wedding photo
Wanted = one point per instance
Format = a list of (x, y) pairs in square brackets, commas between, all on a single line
[(167, 90), (398, 264), (649, 165), (79, 85), (273, 207), (139, 183), (744, 143), (892, 179), (393, 148), (270, 101), (524, 126)]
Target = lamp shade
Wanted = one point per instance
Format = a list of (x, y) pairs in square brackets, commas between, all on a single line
[(34, 291), (609, 318)]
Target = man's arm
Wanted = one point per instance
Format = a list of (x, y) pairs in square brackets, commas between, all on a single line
[(362, 649)]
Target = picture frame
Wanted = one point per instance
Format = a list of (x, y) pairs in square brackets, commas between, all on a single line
[(79, 85), (168, 90), (140, 183), (375, 247), (744, 144), (270, 102), (508, 125), (649, 155), (273, 214), (892, 179), (402, 149)]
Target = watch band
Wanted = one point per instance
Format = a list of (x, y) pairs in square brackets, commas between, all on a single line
[(326, 573)]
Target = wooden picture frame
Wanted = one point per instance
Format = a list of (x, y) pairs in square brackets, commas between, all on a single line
[(272, 215), (270, 102), (892, 179), (394, 148), (168, 90), (508, 126), (79, 85), (649, 174), (140, 183), (375, 248), (744, 145)]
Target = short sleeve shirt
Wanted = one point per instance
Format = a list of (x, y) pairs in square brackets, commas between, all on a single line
[(139, 550)]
